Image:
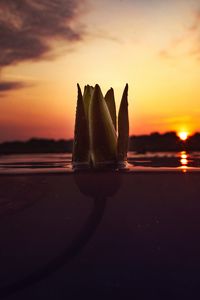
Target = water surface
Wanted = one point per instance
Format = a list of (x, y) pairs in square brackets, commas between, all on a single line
[(66, 234), (48, 163)]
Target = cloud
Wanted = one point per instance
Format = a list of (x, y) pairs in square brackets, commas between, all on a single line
[(165, 54), (28, 28), (195, 32), (196, 24), (186, 44), (11, 85)]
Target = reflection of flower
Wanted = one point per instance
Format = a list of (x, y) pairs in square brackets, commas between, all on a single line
[(96, 143), (98, 185)]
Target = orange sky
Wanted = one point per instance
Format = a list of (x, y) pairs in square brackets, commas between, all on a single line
[(152, 45)]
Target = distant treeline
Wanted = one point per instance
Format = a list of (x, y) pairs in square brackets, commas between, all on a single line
[(168, 141), (36, 145)]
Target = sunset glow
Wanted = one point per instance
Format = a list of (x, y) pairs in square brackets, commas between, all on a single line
[(151, 45)]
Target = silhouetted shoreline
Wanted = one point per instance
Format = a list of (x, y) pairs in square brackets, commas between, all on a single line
[(154, 142)]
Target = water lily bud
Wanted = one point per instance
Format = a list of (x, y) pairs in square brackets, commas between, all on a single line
[(110, 101), (81, 155), (123, 127), (102, 134)]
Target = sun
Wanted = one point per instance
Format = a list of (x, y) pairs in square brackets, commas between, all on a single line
[(183, 135)]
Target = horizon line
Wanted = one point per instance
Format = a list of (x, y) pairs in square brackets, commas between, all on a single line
[(71, 139)]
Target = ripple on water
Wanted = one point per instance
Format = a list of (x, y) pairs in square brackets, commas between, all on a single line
[(61, 163)]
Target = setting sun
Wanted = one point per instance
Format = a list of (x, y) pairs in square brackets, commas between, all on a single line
[(183, 135)]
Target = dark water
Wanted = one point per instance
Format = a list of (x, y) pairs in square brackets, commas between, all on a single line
[(100, 235)]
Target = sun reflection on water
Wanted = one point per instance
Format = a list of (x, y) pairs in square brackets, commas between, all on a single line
[(183, 161)]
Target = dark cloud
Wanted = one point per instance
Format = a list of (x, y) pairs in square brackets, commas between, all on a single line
[(27, 28), (11, 85)]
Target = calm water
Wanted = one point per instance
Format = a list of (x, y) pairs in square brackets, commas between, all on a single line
[(103, 233), (159, 161)]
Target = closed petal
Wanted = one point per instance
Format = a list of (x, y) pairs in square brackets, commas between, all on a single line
[(103, 139), (88, 91), (110, 101), (80, 153), (123, 127)]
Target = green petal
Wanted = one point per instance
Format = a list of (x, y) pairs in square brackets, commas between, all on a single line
[(81, 134), (123, 127), (103, 139), (110, 101)]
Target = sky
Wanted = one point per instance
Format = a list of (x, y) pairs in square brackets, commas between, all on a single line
[(48, 46)]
